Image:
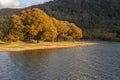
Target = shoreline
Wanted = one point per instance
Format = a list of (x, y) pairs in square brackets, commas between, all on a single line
[(21, 46)]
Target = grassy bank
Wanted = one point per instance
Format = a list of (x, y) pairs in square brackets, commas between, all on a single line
[(19, 46)]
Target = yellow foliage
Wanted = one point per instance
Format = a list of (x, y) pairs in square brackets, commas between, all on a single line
[(36, 24), (66, 30)]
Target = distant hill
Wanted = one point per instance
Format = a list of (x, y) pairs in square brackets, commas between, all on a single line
[(5, 15), (85, 13), (88, 14)]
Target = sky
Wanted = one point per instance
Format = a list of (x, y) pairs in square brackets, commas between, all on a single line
[(19, 3)]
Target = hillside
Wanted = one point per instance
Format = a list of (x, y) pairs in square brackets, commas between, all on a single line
[(85, 13), (91, 15)]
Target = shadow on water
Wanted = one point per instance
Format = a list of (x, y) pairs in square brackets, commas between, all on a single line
[(31, 63)]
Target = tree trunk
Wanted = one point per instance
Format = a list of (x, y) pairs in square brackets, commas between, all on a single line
[(38, 41)]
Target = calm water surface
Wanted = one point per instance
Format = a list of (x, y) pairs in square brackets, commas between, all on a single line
[(97, 62)]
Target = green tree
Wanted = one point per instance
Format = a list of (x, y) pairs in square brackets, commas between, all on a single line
[(117, 31)]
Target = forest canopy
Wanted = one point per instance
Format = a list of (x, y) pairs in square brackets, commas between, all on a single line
[(34, 24)]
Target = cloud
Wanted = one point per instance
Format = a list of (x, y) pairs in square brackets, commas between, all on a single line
[(11, 4)]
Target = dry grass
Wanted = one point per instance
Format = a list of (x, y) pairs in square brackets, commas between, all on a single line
[(1, 42), (18, 46)]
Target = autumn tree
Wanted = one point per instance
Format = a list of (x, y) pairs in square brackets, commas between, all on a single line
[(16, 31), (1, 35), (39, 25), (34, 24), (74, 31), (62, 29), (66, 30)]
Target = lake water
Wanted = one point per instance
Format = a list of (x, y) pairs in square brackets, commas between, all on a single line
[(96, 62)]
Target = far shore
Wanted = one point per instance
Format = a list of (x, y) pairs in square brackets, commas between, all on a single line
[(21, 46)]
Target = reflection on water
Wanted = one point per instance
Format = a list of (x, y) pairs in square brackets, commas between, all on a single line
[(31, 63), (97, 62)]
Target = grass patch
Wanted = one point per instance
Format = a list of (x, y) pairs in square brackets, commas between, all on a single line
[(2, 42), (14, 46)]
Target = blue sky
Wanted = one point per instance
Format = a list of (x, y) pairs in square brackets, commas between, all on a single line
[(19, 3), (32, 2)]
